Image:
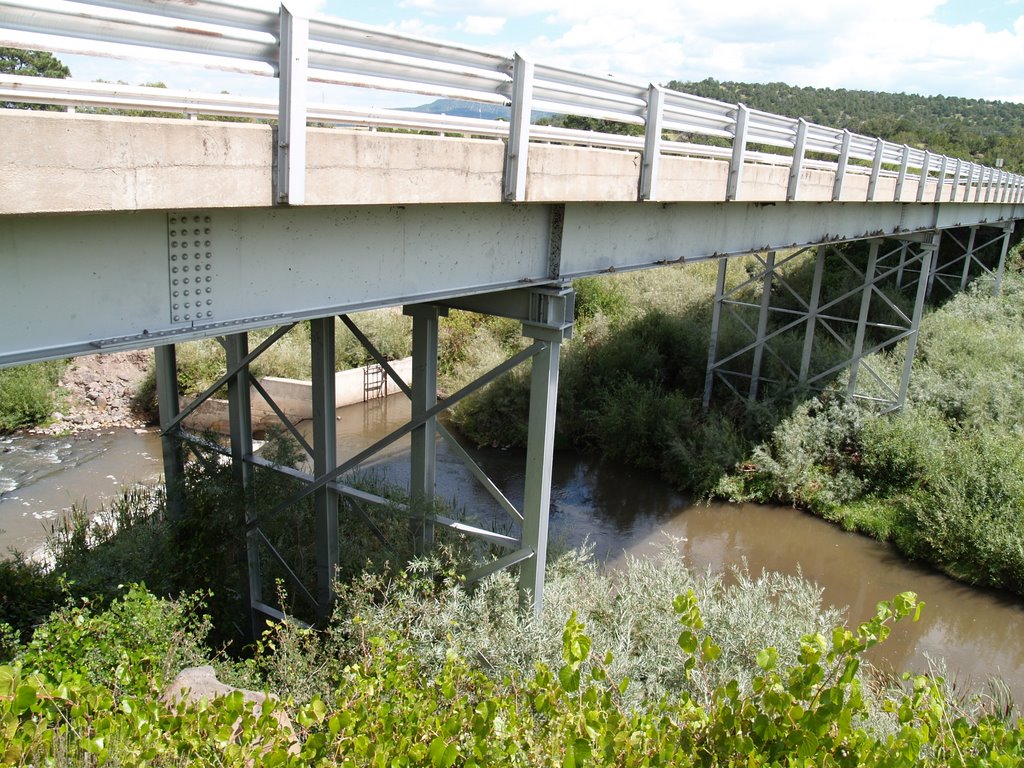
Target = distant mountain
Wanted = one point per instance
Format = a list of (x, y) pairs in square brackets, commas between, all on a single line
[(463, 108), (981, 130)]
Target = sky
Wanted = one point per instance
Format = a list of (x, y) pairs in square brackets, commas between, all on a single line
[(970, 48)]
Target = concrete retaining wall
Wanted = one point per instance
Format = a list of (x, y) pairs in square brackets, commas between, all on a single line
[(295, 398)]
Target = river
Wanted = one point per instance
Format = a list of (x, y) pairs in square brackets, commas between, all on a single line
[(619, 511)]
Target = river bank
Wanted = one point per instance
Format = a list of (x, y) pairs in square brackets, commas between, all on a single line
[(97, 392), (623, 512)]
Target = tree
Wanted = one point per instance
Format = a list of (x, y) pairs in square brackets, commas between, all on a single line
[(14, 61)]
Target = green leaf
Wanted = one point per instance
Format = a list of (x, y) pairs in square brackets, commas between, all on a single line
[(688, 641), (442, 754), (24, 698), (569, 678), (767, 658)]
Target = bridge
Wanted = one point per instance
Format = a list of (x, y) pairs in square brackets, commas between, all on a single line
[(122, 232)]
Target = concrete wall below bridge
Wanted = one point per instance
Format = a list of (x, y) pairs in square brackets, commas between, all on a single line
[(295, 398)]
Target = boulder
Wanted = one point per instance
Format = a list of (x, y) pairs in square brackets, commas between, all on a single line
[(195, 684)]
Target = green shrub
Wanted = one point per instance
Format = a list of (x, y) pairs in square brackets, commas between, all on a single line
[(28, 394), (133, 646), (971, 521), (28, 592)]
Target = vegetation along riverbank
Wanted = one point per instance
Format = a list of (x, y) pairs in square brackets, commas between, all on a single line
[(941, 478)]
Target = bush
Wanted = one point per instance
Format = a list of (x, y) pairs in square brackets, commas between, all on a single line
[(28, 592), (133, 646), (85, 694), (28, 394)]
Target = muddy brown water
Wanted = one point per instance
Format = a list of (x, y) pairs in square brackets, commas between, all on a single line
[(619, 511)]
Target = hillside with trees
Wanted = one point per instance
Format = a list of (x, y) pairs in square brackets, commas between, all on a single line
[(970, 128)]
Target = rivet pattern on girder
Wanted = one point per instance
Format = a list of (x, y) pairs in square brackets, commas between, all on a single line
[(190, 267)]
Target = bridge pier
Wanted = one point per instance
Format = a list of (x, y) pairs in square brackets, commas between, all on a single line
[(423, 450), (325, 493)]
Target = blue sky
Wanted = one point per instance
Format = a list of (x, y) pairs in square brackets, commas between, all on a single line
[(972, 48)]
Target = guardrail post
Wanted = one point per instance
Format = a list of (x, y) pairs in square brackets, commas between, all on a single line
[(797, 166), (942, 178), (902, 175), (844, 159), (922, 180), (293, 66), (968, 180), (876, 169), (517, 148), (739, 145), (982, 171), (957, 171), (652, 144)]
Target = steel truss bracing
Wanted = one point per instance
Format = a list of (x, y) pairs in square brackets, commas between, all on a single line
[(546, 314), (785, 302), (966, 254), (876, 289)]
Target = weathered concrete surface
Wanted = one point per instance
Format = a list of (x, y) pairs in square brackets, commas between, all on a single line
[(294, 397), (56, 162), (360, 167), (73, 163), (557, 173)]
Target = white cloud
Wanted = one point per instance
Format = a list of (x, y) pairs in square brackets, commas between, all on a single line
[(871, 44), (482, 25), (416, 28)]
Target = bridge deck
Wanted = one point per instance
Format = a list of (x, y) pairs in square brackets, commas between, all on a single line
[(390, 218)]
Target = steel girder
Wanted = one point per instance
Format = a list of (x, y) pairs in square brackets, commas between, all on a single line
[(81, 284)]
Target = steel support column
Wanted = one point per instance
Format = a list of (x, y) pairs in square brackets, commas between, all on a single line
[(902, 265), (716, 320), (539, 453), (236, 347), (929, 253), (167, 401), (1004, 249), (812, 314), (325, 459), (423, 451), (933, 272), (862, 320), (762, 325), (968, 258)]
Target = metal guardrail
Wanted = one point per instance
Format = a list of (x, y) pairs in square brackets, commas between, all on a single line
[(264, 38)]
